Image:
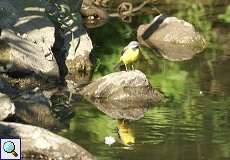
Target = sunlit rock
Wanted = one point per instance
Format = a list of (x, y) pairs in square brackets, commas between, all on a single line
[(27, 56), (79, 46), (124, 85), (122, 95), (30, 37), (7, 107), (172, 38), (38, 143)]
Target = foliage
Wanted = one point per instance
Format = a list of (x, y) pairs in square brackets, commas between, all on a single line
[(195, 15), (226, 16), (107, 51), (171, 82)]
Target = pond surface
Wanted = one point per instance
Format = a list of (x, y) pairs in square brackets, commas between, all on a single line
[(193, 124)]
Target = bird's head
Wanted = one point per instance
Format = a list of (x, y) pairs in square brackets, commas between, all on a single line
[(133, 44)]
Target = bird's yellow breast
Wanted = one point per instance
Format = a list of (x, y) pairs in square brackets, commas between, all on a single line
[(130, 56)]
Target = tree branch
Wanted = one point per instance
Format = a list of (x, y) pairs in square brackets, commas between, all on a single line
[(135, 9)]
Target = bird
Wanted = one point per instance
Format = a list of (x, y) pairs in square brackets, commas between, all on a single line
[(129, 54)]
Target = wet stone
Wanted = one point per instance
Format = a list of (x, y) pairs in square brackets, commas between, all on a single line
[(7, 108), (39, 142), (124, 85), (172, 38)]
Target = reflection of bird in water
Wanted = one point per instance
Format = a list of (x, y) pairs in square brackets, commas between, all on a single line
[(129, 54), (126, 133)]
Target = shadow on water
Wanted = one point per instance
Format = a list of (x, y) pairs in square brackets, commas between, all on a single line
[(193, 124)]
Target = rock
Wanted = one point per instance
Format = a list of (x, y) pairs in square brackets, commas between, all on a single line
[(27, 56), (94, 16), (173, 38), (77, 44), (80, 64), (32, 107), (30, 36), (131, 110), (74, 82), (7, 108), (124, 85), (24, 82), (8, 14), (7, 88), (38, 142)]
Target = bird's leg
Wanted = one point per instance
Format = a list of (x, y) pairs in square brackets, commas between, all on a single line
[(126, 67), (133, 67)]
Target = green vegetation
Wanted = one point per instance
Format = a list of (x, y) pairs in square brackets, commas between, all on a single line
[(226, 16), (107, 51), (195, 14)]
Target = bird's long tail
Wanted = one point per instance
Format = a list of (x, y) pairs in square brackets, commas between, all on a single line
[(117, 66)]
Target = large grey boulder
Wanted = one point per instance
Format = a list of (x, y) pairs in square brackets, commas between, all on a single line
[(38, 143), (29, 35), (173, 38), (7, 107), (24, 55), (124, 86)]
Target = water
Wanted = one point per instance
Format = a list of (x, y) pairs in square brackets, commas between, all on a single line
[(194, 123), (197, 126)]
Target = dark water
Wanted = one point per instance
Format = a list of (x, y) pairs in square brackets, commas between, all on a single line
[(194, 123)]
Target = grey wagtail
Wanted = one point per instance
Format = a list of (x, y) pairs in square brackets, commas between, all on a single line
[(130, 54)]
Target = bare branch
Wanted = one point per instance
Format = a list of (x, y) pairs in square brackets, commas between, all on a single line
[(135, 9)]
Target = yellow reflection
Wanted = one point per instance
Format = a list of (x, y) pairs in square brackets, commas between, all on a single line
[(126, 133)]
